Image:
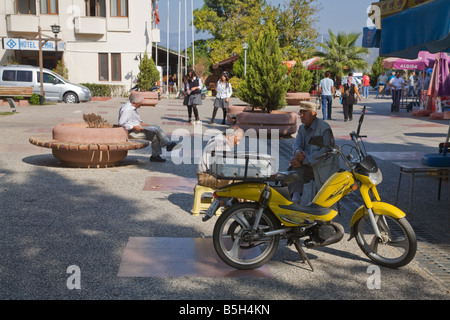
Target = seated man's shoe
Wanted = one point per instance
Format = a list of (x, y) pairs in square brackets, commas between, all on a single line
[(157, 159), (170, 146)]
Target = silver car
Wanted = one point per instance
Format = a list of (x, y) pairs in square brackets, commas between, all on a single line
[(56, 88)]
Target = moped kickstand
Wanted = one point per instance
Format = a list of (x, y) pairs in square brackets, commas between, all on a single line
[(302, 253)]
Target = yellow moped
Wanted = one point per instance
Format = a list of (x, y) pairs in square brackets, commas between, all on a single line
[(247, 233)]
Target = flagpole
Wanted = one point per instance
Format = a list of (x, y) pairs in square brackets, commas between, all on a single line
[(193, 47), (167, 64), (156, 42), (185, 36), (179, 45)]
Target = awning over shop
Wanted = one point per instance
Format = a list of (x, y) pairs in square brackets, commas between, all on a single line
[(422, 28), (425, 60)]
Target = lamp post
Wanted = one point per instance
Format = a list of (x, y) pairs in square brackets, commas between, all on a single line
[(245, 47), (55, 30)]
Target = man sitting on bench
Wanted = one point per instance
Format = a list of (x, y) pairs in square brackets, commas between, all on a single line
[(129, 119)]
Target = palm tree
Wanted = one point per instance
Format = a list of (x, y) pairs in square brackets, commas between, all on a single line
[(341, 55)]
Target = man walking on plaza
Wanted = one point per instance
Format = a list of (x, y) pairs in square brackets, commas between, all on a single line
[(129, 119), (326, 90), (397, 83)]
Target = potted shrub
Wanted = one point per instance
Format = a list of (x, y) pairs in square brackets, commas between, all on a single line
[(147, 78), (264, 87), (92, 144), (300, 80)]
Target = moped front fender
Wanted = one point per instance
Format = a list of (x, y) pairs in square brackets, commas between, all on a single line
[(379, 208)]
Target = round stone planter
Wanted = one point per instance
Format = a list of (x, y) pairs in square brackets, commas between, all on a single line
[(76, 145), (150, 97), (283, 121), (233, 110), (294, 98)]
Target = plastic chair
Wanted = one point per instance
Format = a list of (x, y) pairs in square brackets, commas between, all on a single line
[(201, 202)]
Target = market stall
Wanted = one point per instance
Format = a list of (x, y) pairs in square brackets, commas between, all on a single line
[(424, 61)]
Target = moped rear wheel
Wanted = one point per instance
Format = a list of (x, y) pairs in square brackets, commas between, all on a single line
[(398, 244), (234, 241)]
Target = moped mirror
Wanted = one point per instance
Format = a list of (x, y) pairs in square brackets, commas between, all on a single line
[(361, 119)]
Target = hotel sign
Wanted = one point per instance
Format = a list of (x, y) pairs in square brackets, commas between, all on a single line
[(33, 45)]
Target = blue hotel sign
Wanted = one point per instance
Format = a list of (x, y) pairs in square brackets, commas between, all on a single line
[(23, 44)]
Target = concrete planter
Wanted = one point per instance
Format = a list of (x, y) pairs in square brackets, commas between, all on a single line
[(294, 98), (150, 97), (234, 110), (76, 145), (283, 121)]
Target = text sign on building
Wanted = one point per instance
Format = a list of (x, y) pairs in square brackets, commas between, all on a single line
[(23, 44)]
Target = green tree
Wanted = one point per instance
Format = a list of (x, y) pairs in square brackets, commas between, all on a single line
[(265, 84), (148, 73), (377, 70), (300, 78), (295, 24), (342, 55), (230, 22)]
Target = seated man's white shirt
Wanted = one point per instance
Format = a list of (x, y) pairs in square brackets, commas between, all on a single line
[(128, 116)]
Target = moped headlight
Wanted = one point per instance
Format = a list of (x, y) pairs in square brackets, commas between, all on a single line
[(376, 177)]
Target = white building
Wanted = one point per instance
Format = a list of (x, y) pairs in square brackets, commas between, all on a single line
[(100, 40)]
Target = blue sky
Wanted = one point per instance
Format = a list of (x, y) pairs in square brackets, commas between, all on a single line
[(337, 15)]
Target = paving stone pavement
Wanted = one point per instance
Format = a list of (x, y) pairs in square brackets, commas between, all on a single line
[(56, 220)]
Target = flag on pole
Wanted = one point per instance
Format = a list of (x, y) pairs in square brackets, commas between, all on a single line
[(156, 14)]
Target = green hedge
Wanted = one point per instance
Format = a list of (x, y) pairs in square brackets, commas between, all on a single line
[(106, 90)]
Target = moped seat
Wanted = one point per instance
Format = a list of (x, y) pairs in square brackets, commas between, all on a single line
[(310, 208), (286, 176)]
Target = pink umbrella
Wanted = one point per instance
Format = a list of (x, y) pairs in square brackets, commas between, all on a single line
[(311, 64), (404, 64), (423, 61)]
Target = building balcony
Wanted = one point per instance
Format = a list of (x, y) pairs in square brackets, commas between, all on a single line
[(22, 23), (90, 26)]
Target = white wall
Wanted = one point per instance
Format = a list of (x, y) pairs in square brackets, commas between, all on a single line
[(128, 35)]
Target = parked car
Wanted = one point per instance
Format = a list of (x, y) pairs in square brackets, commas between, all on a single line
[(56, 88)]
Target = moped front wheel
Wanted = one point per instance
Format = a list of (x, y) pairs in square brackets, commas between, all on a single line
[(397, 246), (237, 245)]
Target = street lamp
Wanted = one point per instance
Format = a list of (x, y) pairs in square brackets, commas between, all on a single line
[(55, 30), (245, 47)]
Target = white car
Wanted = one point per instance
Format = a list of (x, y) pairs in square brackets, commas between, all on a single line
[(56, 88)]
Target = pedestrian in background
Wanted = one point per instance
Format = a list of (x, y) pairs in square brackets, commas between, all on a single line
[(223, 95), (366, 84), (397, 83), (195, 94), (185, 88), (349, 92), (411, 84), (326, 91)]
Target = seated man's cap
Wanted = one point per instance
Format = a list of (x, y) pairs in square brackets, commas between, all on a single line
[(306, 105)]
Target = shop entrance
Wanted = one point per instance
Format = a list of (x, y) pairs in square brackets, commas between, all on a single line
[(50, 59)]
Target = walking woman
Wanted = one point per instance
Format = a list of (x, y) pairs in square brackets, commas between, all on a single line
[(195, 97), (348, 98), (186, 95), (223, 95)]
